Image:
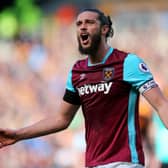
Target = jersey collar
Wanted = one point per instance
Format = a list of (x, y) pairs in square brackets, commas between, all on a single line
[(104, 59)]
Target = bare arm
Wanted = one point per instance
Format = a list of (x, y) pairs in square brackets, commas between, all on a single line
[(159, 102), (51, 124)]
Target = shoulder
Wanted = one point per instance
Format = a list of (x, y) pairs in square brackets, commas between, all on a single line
[(126, 55), (133, 57), (80, 64), (119, 54)]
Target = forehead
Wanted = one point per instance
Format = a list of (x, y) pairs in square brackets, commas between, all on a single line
[(87, 15)]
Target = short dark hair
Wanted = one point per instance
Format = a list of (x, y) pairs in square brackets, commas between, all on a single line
[(105, 20)]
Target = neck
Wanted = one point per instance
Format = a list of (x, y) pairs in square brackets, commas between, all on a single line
[(99, 55)]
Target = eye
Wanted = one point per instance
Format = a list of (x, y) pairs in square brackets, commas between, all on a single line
[(78, 23)]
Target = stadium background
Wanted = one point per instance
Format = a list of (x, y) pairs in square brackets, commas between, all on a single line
[(37, 49)]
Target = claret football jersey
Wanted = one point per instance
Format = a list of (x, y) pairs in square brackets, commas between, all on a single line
[(108, 93)]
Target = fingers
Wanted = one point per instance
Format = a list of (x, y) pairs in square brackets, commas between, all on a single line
[(1, 145), (6, 142), (2, 131), (6, 137)]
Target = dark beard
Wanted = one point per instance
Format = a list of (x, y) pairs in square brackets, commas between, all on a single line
[(96, 39)]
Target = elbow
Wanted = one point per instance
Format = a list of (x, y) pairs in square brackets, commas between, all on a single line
[(64, 121), (65, 125)]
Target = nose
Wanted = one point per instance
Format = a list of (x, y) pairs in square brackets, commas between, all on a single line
[(83, 26)]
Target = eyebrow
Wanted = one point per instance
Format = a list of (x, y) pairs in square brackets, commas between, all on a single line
[(86, 20)]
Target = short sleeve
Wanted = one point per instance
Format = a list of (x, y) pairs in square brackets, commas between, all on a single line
[(137, 73), (71, 95), (69, 85)]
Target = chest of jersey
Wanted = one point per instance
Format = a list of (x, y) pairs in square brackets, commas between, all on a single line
[(100, 80)]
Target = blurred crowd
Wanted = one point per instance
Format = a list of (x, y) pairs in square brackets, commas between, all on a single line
[(33, 73)]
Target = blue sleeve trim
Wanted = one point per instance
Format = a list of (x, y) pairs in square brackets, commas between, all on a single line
[(135, 71), (131, 126), (69, 85)]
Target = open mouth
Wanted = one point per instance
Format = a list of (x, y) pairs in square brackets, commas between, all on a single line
[(85, 38)]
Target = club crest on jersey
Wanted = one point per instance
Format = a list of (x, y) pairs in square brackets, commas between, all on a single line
[(108, 73), (143, 67)]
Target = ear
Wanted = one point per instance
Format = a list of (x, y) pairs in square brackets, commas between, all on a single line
[(104, 29)]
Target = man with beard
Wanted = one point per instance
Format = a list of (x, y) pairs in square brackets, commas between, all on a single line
[(107, 85)]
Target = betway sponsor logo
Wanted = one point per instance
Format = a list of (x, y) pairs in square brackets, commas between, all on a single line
[(100, 87)]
